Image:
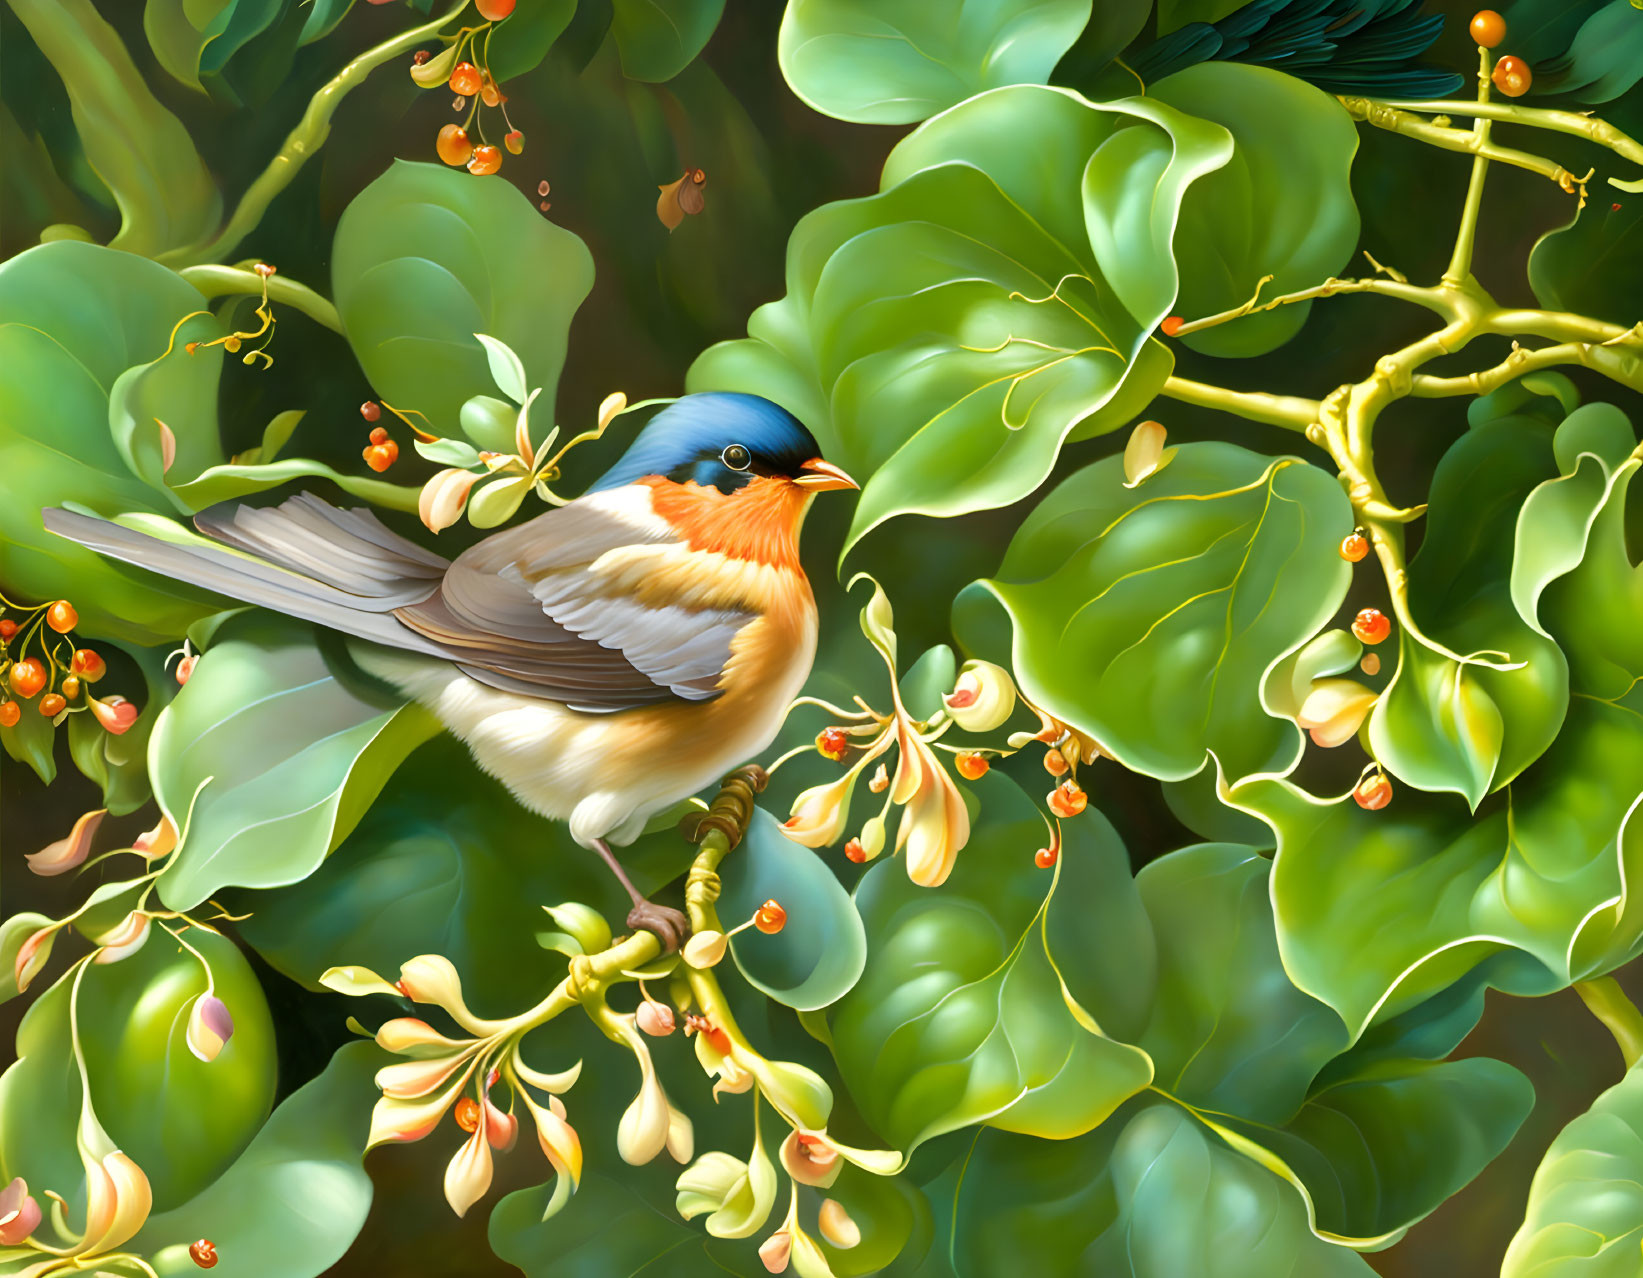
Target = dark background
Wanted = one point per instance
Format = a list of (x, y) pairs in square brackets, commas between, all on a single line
[(604, 145)]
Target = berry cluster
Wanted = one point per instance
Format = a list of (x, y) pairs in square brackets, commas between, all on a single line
[(474, 87), (1511, 74), (60, 675)]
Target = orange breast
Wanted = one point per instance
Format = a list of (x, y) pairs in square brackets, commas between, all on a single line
[(759, 521)]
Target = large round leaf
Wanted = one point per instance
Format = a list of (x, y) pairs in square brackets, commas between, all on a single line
[(181, 1119), (1281, 206), (944, 337), (1585, 1217), (269, 756), (961, 1016), (660, 38), (820, 951), (1148, 617), (425, 257), (898, 61), (1469, 728)]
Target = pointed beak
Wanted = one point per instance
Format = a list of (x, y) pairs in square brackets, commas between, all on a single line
[(821, 476)]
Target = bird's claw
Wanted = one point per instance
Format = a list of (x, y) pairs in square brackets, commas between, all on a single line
[(667, 925)]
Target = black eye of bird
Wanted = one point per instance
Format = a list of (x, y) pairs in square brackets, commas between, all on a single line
[(736, 457)]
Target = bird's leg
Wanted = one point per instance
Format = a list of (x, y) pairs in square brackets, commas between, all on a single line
[(668, 925)]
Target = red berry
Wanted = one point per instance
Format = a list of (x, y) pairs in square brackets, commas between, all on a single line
[(1354, 546), (27, 677), (515, 142), (834, 743), (1512, 76), (1172, 325), (1488, 28), (52, 705), (1067, 799), (971, 765), (61, 616), (1044, 858), (465, 79), (88, 665), (467, 1114), (454, 148), (1371, 625), (7, 630), (494, 10), (379, 435), (10, 713), (1373, 792), (370, 410), (203, 1253), (1055, 763), (853, 850), (486, 160), (770, 918)]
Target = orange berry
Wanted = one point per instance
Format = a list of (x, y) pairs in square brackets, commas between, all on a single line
[(486, 161), (265, 269), (1512, 76), (971, 765), (489, 94), (1354, 546), (1488, 28), (494, 10), (191, 347), (381, 456), (1172, 325), (10, 713), (27, 677), (88, 665), (455, 149), (185, 668), (465, 79), (467, 1114), (1055, 763), (1371, 664), (853, 850), (379, 435), (7, 630), (1067, 799), (770, 918), (52, 705), (203, 1253), (61, 616), (1373, 792), (370, 410), (1044, 858), (514, 141), (71, 687), (1371, 625), (834, 743)]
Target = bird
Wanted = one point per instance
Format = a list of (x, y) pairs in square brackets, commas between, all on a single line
[(604, 660)]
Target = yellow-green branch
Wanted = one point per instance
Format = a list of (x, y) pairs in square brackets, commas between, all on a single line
[(1574, 123), (223, 281), (1288, 411), (1608, 1002)]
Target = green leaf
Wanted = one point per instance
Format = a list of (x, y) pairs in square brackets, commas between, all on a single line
[(181, 1119), (1585, 1216), (1281, 206), (519, 44), (268, 757), (323, 17), (291, 1204), (605, 1229), (445, 862), (119, 764), (1177, 13), (506, 370), (1591, 265), (1172, 601), (165, 193), (1604, 60), (14, 930), (900, 61), (1467, 728), (1158, 1196), (820, 952), (961, 1016), (660, 38), (425, 257), (177, 41), (945, 336), (31, 740), (73, 318)]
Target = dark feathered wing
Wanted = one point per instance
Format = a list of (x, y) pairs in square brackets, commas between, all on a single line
[(521, 611)]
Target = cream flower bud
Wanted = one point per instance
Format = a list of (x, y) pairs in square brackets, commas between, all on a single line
[(468, 1175), (811, 1159), (33, 955), (872, 837), (444, 496), (655, 1019), (982, 698), (408, 1036), (1334, 710), (583, 924), (124, 939), (409, 1080), (210, 1026), (1145, 453), (19, 1213), (705, 949), (69, 851), (707, 1183), (356, 981), (776, 1250), (157, 842), (642, 1133), (501, 1129), (818, 815), (836, 1225)]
